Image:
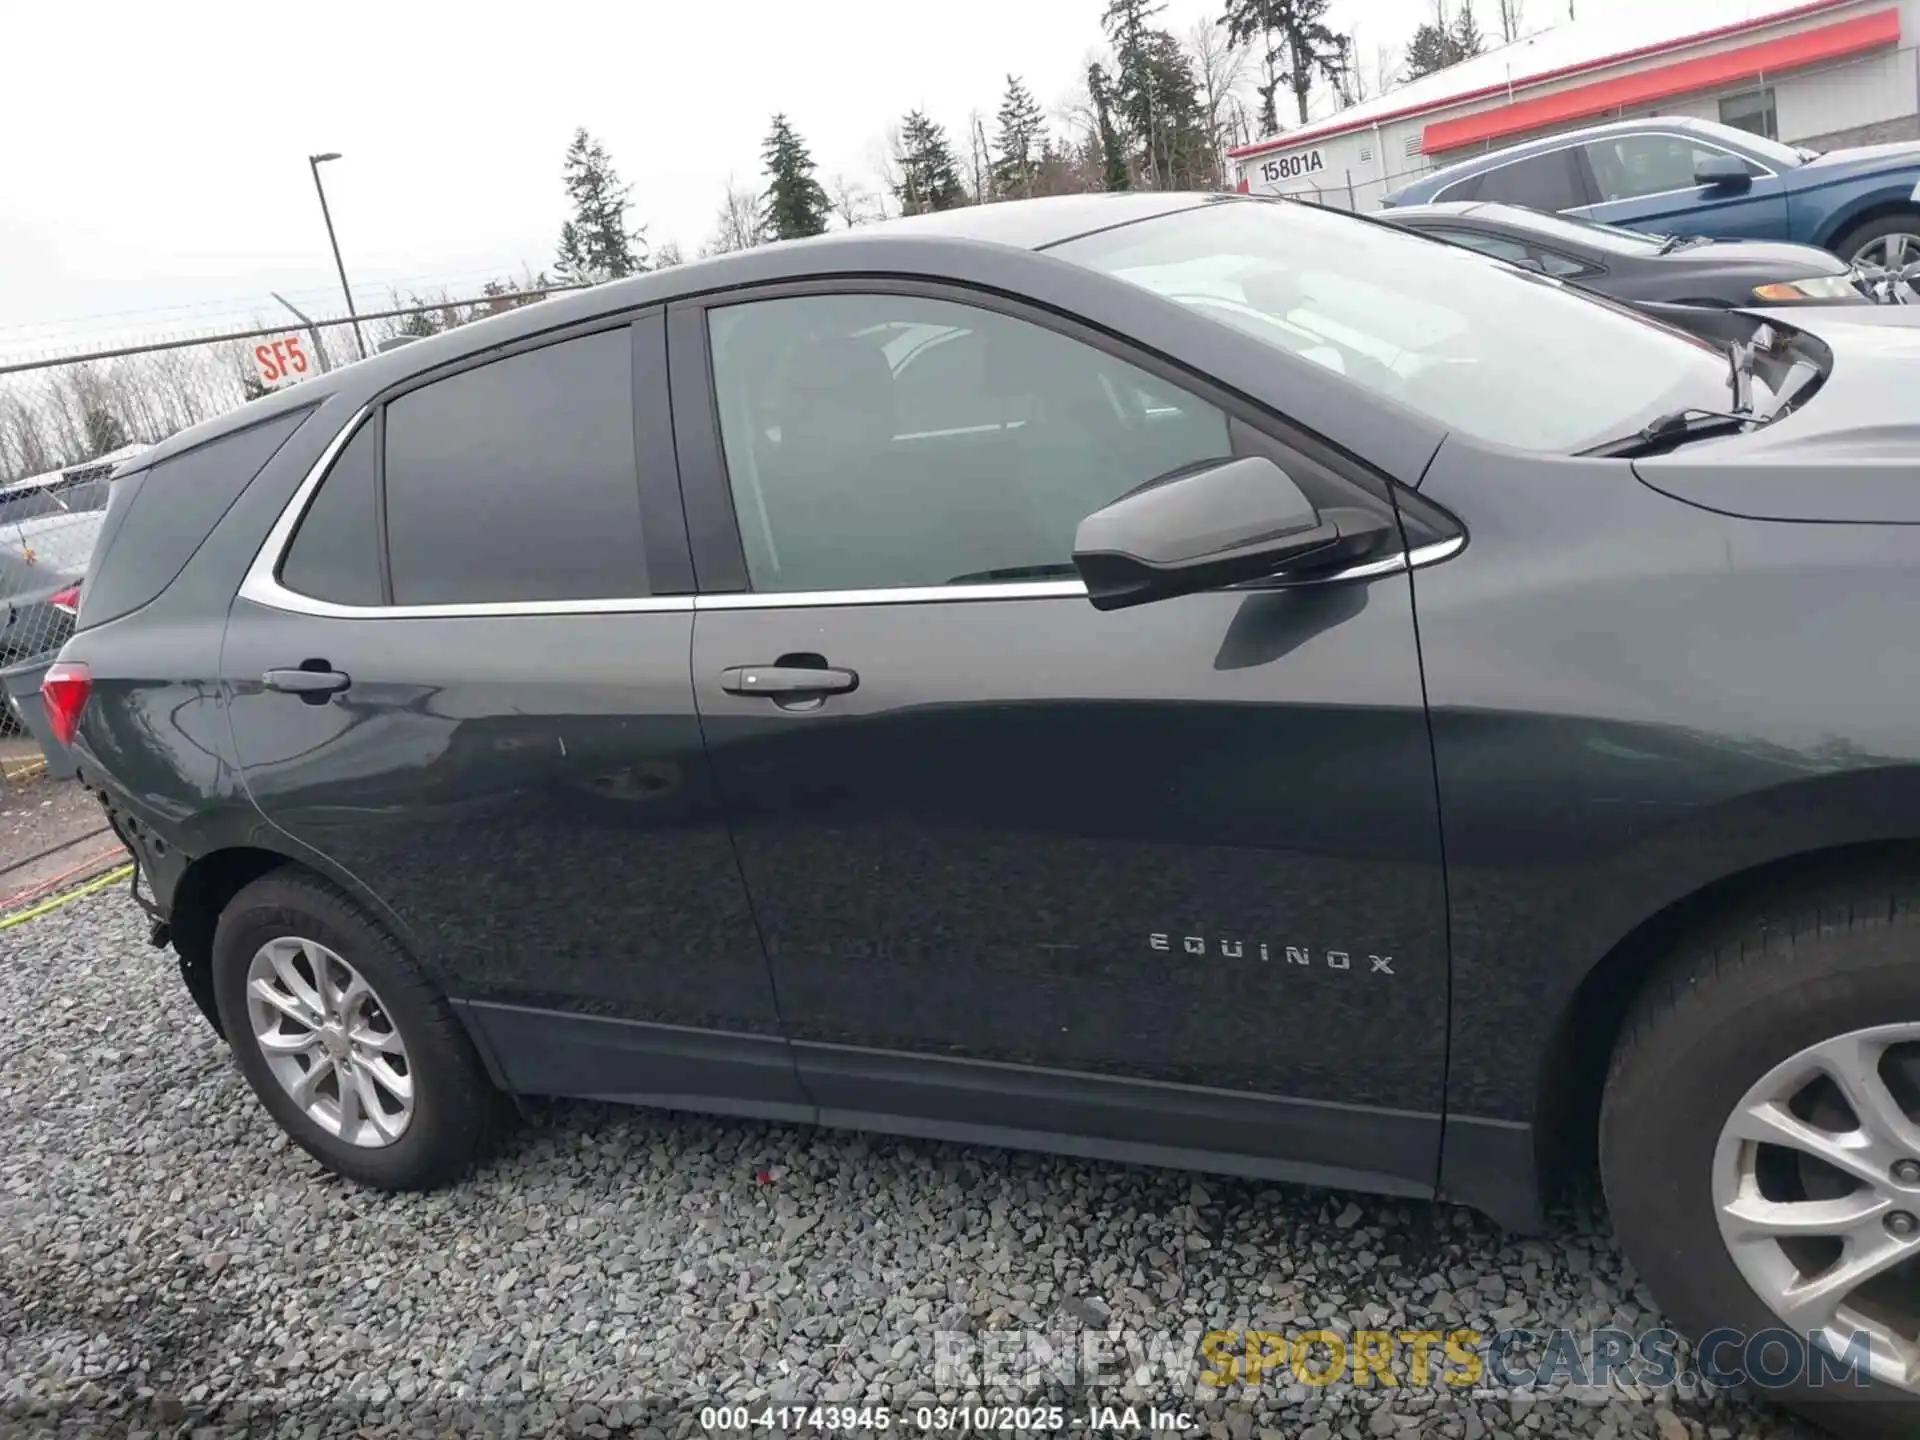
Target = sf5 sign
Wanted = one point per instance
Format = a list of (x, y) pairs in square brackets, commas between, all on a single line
[(282, 361)]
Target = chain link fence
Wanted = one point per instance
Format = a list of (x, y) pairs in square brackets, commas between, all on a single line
[(68, 419)]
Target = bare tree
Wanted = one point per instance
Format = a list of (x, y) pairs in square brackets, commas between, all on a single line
[(981, 158), (850, 200), (1387, 62), (737, 227), (1219, 67), (1512, 15), (884, 156)]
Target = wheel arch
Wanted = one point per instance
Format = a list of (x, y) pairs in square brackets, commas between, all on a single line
[(205, 888), (1574, 1065), (208, 884), (1838, 226)]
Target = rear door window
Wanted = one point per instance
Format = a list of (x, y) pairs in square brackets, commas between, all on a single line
[(516, 480), (1553, 181)]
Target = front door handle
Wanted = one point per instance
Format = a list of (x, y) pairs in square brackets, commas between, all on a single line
[(314, 685), (786, 680)]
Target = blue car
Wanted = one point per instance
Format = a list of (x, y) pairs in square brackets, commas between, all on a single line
[(1693, 177)]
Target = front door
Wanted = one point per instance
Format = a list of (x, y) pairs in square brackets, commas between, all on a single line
[(1646, 182), (1166, 878), (461, 688)]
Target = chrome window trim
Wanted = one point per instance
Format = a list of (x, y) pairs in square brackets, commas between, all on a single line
[(262, 584), (1041, 589), (1767, 172)]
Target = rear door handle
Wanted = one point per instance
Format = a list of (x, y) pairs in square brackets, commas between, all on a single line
[(312, 686), (786, 680)]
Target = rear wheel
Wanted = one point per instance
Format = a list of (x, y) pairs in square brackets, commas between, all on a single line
[(1760, 1147), (344, 1040)]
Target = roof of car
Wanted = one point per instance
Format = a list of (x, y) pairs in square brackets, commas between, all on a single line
[(1026, 225), (1506, 155), (1032, 224), (1400, 213)]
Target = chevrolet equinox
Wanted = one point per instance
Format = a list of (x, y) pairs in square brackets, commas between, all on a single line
[(1178, 679)]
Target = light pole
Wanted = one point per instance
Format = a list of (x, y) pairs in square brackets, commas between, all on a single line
[(314, 162)]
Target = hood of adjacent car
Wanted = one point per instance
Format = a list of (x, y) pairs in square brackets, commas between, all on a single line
[(1851, 453), (1791, 262), (1866, 157)]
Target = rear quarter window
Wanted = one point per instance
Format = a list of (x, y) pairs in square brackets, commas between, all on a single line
[(156, 518)]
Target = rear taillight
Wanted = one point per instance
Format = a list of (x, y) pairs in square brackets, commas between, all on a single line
[(66, 601), (64, 691)]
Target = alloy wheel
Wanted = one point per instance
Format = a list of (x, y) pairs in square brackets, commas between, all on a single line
[(1816, 1181), (330, 1042), (1890, 260)]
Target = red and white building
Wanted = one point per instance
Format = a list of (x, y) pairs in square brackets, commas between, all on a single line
[(1826, 74)]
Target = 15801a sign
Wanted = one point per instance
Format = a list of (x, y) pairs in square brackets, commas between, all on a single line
[(1292, 167)]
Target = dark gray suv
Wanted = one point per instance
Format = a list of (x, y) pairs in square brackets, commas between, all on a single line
[(1181, 679)]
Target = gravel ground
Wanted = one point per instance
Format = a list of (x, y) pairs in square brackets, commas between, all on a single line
[(169, 1265)]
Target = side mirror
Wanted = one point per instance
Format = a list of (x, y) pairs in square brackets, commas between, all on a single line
[(1722, 172), (1205, 528)]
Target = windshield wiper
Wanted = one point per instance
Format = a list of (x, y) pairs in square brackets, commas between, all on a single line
[(1682, 242), (1696, 422), (1676, 427)]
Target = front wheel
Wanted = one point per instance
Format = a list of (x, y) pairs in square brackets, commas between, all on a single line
[(1887, 245), (344, 1039), (1760, 1149)]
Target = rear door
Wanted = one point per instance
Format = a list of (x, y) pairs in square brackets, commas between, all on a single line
[(458, 674), (1164, 880)]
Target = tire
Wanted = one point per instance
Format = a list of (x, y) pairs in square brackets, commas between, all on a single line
[(1901, 222), (454, 1110), (1713, 1023)]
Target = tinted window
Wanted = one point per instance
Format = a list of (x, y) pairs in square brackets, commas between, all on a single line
[(336, 551), (1627, 166), (516, 480), (1440, 330), (1572, 230), (1513, 252), (877, 440), (1540, 182), (157, 517)]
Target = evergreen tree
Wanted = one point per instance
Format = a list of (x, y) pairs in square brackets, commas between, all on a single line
[(105, 433), (667, 256), (1269, 110), (795, 204), (1435, 48), (1130, 95), (1021, 142), (929, 178), (1182, 149), (1114, 174), (1430, 49), (1297, 44), (595, 244), (1466, 37)]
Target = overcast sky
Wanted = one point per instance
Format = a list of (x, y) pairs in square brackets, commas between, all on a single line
[(154, 156)]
